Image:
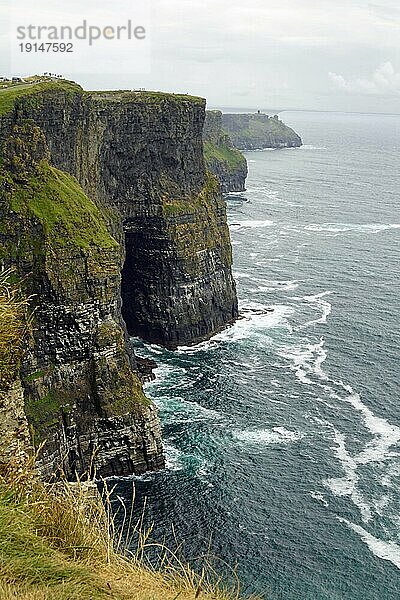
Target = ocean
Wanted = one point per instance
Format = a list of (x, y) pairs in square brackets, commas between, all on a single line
[(282, 433)]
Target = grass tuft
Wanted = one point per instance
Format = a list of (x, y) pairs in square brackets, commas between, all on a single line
[(230, 156), (13, 327), (60, 542)]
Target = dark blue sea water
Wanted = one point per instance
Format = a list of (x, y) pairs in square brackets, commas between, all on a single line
[(283, 432)]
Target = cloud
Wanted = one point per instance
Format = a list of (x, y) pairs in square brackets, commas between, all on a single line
[(388, 13), (385, 81)]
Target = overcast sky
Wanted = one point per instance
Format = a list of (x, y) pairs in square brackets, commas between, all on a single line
[(313, 54)]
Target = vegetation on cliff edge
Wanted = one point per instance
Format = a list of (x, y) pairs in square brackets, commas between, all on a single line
[(58, 542), (56, 199), (9, 95), (13, 326), (125, 96), (35, 87), (229, 156)]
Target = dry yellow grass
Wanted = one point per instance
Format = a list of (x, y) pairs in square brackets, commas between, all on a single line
[(59, 542), (13, 326)]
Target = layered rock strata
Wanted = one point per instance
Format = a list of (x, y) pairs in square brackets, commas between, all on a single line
[(226, 162), (104, 196)]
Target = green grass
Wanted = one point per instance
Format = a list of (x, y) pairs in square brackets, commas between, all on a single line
[(174, 207), (60, 542), (232, 157), (68, 216), (34, 376), (146, 96), (10, 94), (44, 412), (29, 562), (259, 131), (13, 327)]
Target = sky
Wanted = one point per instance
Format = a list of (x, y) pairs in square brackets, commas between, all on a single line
[(269, 54)]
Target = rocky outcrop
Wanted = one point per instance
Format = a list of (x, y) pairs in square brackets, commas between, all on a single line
[(142, 154), (82, 395), (226, 162), (259, 131), (143, 219)]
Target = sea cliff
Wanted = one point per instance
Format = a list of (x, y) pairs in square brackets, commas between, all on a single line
[(259, 131), (224, 160), (115, 227)]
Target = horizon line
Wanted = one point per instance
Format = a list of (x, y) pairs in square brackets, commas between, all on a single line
[(318, 110)]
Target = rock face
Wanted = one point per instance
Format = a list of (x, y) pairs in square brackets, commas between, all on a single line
[(259, 131), (82, 395), (142, 154), (143, 220), (226, 162)]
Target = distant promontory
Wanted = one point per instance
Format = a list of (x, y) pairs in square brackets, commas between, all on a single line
[(259, 131)]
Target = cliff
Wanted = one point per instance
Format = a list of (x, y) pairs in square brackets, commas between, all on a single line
[(82, 394), (226, 162), (104, 195), (259, 131)]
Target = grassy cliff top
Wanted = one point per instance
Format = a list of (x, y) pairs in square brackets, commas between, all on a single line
[(56, 543), (10, 93), (251, 131), (232, 157), (144, 96), (68, 216)]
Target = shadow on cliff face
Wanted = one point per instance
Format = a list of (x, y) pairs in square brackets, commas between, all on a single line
[(177, 287), (164, 305)]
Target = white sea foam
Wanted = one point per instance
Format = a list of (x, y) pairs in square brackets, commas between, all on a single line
[(310, 147), (185, 411), (392, 472), (251, 224), (386, 550), (307, 362), (347, 485), (306, 359), (255, 319), (320, 497), (202, 347), (319, 302), (274, 436), (173, 457), (256, 316), (163, 372), (385, 434), (337, 228), (271, 285)]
